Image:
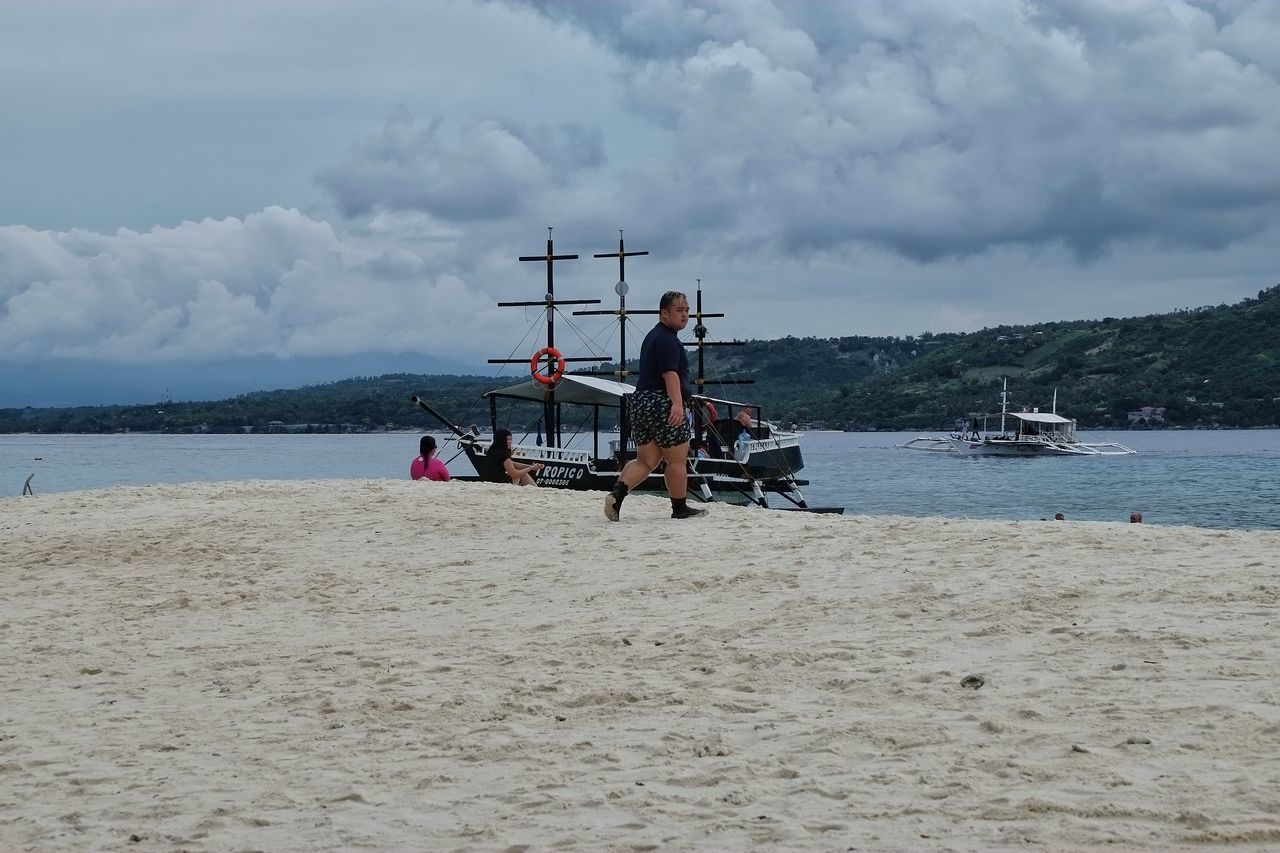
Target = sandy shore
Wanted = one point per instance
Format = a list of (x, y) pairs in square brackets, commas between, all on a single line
[(420, 665)]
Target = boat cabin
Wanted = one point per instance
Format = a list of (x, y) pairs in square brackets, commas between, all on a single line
[(1043, 425)]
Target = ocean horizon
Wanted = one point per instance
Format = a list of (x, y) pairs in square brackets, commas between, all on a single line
[(1205, 478)]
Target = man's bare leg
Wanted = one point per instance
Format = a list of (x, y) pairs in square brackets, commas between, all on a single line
[(677, 478), (676, 474), (633, 474)]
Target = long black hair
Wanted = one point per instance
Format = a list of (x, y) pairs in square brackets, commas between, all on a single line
[(426, 446), (498, 451)]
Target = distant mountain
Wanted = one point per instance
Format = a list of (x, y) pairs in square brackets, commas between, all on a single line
[(80, 382)]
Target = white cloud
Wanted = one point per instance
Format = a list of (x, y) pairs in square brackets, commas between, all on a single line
[(275, 283)]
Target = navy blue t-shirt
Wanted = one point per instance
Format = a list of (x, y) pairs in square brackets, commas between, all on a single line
[(660, 352)]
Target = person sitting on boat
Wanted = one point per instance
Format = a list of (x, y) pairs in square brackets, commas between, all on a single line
[(742, 445), (427, 466), (499, 454), (698, 449)]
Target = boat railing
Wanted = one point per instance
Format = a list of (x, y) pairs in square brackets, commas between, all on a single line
[(776, 441), (559, 454)]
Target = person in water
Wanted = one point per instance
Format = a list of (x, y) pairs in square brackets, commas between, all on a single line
[(499, 454), (427, 466), (658, 409)]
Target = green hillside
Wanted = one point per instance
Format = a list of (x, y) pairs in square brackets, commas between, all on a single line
[(1208, 366), (1205, 367)]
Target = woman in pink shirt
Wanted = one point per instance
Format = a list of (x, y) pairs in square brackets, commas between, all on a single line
[(427, 466)]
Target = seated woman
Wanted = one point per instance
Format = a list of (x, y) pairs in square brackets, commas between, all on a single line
[(713, 447), (499, 454), (427, 466)]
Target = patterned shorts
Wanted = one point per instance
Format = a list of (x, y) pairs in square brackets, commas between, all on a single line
[(648, 411)]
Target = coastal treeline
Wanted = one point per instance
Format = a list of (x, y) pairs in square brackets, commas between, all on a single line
[(1208, 366), (1211, 366)]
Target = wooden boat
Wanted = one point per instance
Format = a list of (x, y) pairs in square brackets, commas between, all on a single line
[(761, 463)]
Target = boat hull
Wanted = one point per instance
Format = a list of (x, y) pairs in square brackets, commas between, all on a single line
[(728, 480), (772, 463)]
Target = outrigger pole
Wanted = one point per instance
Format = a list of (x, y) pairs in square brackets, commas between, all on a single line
[(550, 411), (422, 404)]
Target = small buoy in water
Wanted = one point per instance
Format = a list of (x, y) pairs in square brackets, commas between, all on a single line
[(38, 458)]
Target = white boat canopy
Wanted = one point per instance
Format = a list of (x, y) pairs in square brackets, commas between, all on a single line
[(1038, 417), (583, 390)]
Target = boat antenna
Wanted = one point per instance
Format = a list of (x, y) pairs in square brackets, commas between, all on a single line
[(549, 302), (1004, 403)]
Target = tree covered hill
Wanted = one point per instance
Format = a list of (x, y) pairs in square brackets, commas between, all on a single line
[(360, 404), (1209, 366), (1203, 366)]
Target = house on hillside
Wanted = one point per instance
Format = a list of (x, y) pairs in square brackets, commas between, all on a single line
[(1147, 416)]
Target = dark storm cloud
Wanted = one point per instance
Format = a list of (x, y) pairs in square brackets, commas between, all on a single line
[(946, 129)]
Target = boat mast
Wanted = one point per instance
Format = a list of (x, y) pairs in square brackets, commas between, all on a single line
[(621, 288), (700, 341), (550, 411)]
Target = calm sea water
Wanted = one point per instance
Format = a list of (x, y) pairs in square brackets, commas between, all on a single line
[(1221, 478)]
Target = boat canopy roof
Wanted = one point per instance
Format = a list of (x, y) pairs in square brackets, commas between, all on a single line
[(718, 402), (584, 390), (1039, 417)]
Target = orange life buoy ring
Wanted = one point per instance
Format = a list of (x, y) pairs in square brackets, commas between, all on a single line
[(536, 362), (711, 412)]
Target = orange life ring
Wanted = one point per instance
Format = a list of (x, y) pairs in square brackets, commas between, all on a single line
[(536, 362), (711, 412)]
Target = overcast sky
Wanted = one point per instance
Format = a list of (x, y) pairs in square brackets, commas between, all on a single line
[(311, 177)]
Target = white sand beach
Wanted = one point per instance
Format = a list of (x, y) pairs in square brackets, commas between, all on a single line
[(389, 664)]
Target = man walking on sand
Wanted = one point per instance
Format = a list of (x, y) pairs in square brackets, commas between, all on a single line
[(657, 410)]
